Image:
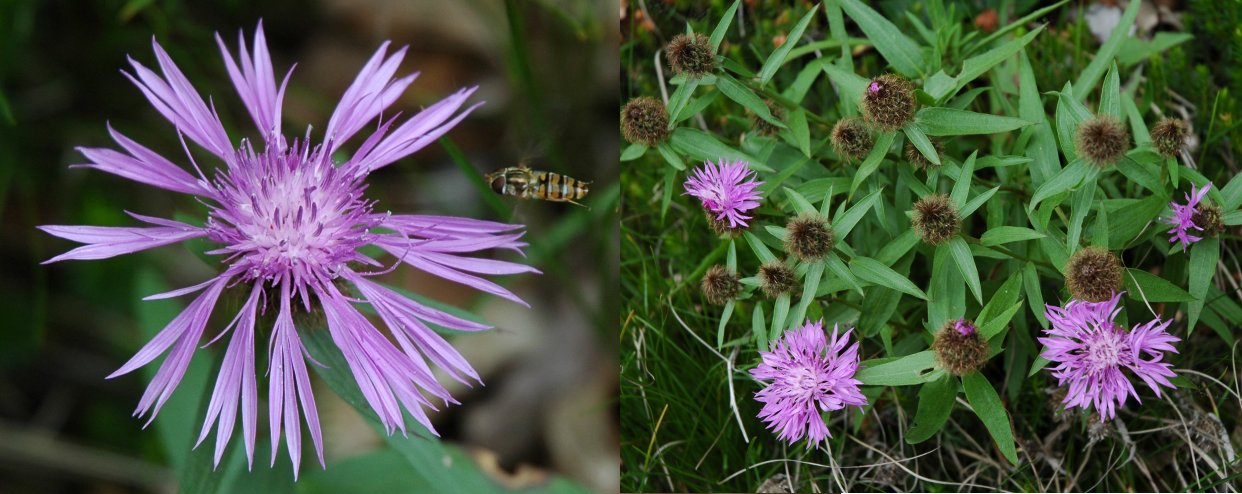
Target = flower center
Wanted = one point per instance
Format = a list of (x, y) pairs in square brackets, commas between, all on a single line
[(290, 212), (1105, 350)]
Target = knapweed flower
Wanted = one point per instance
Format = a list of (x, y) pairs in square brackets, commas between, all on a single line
[(809, 373), (727, 191), (1194, 214), (959, 349), (1091, 351), (290, 224)]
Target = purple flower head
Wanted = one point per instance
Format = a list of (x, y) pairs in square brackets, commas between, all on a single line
[(726, 190), (289, 224), (1183, 216), (810, 374), (966, 328), (874, 87), (1091, 351)]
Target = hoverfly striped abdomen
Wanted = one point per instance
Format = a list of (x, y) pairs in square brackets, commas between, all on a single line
[(525, 183)]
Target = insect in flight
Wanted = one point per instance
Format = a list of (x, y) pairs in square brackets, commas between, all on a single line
[(525, 183)]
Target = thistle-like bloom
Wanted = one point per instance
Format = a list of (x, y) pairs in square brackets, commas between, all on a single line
[(727, 190), (810, 373), (1183, 218), (1091, 350), (290, 224)]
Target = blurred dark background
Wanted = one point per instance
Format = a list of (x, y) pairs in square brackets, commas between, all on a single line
[(549, 404)]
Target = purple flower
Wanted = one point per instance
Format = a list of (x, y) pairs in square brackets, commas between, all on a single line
[(290, 223), (726, 189), (874, 87), (809, 374), (1183, 216), (964, 327), (1091, 351)]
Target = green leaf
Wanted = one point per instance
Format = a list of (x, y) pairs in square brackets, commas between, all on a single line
[(731, 262), (868, 269), (936, 400), (742, 95), (724, 321), (1002, 298), (961, 188), (844, 223), (839, 269), (780, 310), (1231, 194), (757, 328), (850, 85), (801, 132), (939, 85), (966, 265), (670, 156), (1019, 23), (1035, 297), (811, 283), (1042, 148), (978, 65), (1125, 223), (704, 147), (937, 121), (761, 251), (677, 102), (1069, 114), (722, 27), (921, 142), (899, 50), (916, 368), (1142, 285), (1140, 174), (1203, 258), (1104, 57), (1066, 179), (1080, 205), (987, 404), (995, 325), (973, 204), (1006, 234), (799, 203), (777, 58), (1135, 50), (1110, 94), (633, 152), (873, 160)]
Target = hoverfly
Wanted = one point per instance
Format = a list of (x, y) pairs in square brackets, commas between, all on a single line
[(524, 183)]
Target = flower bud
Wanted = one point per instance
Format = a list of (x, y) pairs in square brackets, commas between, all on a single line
[(809, 237), (1093, 274), (935, 219), (1169, 136), (959, 349), (644, 121), (775, 278), (719, 285), (888, 102), (851, 138), (691, 55), (1102, 140), (1209, 218), (916, 158)]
